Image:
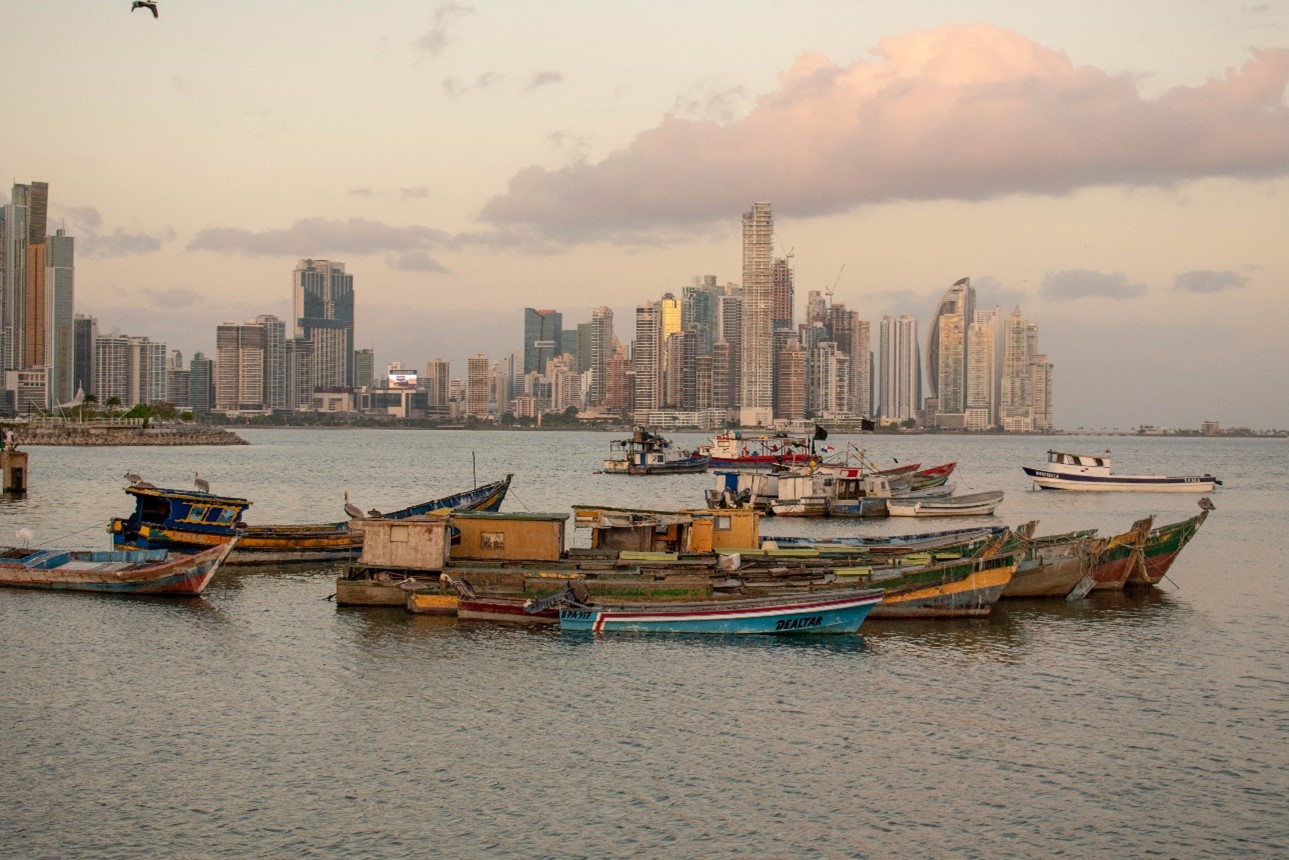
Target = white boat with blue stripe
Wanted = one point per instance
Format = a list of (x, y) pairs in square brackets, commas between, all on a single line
[(841, 611), (1066, 471)]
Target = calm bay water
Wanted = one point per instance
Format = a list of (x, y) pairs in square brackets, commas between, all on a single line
[(261, 720)]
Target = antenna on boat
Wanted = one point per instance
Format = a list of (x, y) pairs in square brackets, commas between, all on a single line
[(474, 472)]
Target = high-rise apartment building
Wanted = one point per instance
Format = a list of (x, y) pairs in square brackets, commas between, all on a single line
[(1016, 391), (178, 381), (58, 338), (982, 404), (112, 369), (275, 366), (323, 303), (84, 333), (202, 384), (952, 363), (757, 363), (299, 374), (240, 362), (22, 275), (782, 293), (647, 358), (900, 371), (790, 392), (543, 338), (827, 381), (438, 380), (477, 385), (959, 299), (364, 368), (603, 348), (861, 369)]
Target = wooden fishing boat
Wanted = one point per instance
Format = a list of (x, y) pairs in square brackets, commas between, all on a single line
[(966, 588), (973, 505), (935, 476), (193, 520), (836, 612), (1067, 471), (1053, 565), (736, 450), (1114, 559), (140, 571), (647, 453), (1163, 544), (965, 542)]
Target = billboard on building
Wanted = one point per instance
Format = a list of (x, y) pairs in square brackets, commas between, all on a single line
[(402, 379)]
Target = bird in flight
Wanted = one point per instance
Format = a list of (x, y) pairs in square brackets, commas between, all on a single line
[(150, 5)]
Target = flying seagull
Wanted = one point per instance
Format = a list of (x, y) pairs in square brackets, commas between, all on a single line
[(150, 5)]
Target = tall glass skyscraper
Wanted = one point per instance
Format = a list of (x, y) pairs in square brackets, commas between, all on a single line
[(323, 302), (543, 338)]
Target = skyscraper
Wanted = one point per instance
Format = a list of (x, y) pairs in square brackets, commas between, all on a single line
[(982, 405), (952, 363), (603, 348), (543, 338), (275, 365), (202, 382), (647, 358), (959, 299), (323, 303), (59, 340), (757, 364), (239, 367), (790, 392), (477, 384), (782, 293), (1016, 393), (85, 331), (900, 369), (438, 375), (22, 231)]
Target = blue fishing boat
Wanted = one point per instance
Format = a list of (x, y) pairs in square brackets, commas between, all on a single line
[(782, 615), (195, 520)]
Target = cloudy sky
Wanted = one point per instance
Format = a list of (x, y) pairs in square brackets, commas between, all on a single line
[(1119, 171)]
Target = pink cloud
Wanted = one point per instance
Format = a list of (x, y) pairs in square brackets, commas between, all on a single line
[(964, 112)]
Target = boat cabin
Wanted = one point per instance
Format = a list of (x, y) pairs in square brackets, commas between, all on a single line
[(418, 543), (1089, 464), (489, 536), (190, 510), (683, 531)]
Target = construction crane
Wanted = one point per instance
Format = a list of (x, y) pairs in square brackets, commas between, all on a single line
[(828, 291)]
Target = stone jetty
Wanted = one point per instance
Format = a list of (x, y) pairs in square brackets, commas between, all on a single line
[(105, 433)]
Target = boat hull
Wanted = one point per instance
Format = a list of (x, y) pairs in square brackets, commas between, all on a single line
[(505, 610), (976, 505), (1047, 480), (179, 575), (1161, 548), (803, 615), (972, 596), (1053, 572)]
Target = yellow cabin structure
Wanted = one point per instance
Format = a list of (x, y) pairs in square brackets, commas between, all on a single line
[(681, 531), (487, 536)]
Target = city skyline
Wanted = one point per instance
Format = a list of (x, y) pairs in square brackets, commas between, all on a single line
[(1124, 185)]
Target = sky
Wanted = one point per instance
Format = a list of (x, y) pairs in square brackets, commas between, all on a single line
[(1118, 171)]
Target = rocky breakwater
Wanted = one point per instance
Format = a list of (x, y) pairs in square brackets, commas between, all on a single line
[(74, 434)]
